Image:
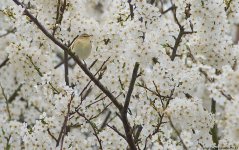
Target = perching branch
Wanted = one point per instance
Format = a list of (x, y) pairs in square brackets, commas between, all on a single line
[(65, 48)]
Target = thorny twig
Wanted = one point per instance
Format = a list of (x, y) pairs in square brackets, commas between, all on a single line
[(181, 33), (59, 14), (161, 116), (131, 10)]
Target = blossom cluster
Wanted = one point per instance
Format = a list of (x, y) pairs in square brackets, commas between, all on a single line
[(162, 74)]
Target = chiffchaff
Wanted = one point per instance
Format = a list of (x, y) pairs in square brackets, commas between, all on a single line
[(82, 46)]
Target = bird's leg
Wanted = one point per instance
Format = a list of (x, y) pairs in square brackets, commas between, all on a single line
[(84, 63)]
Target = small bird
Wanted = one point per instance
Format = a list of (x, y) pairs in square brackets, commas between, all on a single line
[(82, 46)]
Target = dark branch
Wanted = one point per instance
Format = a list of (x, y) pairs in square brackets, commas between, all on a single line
[(105, 120), (137, 134), (181, 33), (131, 87), (214, 130), (124, 118), (131, 9), (63, 131), (66, 65)]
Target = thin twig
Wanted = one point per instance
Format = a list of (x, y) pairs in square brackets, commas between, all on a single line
[(83, 90), (59, 14), (4, 62), (131, 9), (169, 9), (93, 117), (178, 134), (64, 125), (7, 104), (49, 132), (214, 131), (15, 93), (117, 131), (61, 63), (41, 74), (94, 127), (92, 64), (8, 32), (105, 121)]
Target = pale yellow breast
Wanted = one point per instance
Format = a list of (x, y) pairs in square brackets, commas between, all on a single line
[(82, 48)]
